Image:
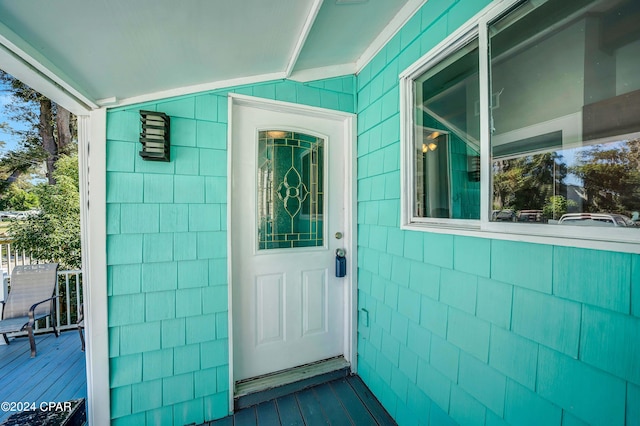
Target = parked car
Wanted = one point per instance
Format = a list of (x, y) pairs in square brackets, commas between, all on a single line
[(530, 216), (506, 215), (595, 219), (9, 215)]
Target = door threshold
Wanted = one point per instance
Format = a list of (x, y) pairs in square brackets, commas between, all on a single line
[(304, 375)]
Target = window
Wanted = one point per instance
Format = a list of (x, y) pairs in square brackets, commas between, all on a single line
[(533, 113), (446, 138), (290, 190)]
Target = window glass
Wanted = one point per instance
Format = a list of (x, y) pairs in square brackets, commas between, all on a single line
[(290, 190), (565, 105), (446, 166)]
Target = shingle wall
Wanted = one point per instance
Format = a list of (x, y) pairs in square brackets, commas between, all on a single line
[(167, 255), (478, 331), (456, 329)]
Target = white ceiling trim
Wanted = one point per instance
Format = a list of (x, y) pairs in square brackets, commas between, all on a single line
[(330, 71), (395, 25), (37, 72), (306, 29), (107, 102), (189, 90)]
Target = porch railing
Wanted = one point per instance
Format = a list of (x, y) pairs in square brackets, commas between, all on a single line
[(10, 257), (69, 289)]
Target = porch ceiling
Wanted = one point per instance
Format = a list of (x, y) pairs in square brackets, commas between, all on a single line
[(127, 50)]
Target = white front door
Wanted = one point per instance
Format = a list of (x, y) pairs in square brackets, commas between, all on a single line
[(288, 219)]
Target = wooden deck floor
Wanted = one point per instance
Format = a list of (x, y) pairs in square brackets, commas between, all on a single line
[(56, 374), (344, 401)]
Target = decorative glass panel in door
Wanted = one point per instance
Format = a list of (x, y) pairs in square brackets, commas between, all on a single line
[(290, 190)]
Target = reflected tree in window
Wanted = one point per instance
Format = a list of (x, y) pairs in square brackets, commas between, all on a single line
[(610, 177), (528, 182), (565, 127)]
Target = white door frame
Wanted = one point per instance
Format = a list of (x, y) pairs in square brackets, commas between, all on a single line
[(351, 222)]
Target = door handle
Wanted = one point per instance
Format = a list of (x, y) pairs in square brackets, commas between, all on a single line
[(341, 263)]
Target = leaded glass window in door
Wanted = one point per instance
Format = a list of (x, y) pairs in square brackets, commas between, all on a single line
[(290, 190)]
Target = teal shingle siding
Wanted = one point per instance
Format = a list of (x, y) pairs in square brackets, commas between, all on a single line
[(167, 255), (456, 329), (499, 332)]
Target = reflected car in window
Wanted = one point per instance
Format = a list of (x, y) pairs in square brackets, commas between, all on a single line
[(506, 215), (595, 219), (531, 216)]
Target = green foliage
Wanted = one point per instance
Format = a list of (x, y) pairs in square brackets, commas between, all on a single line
[(46, 132), (18, 199), (23, 108), (611, 178), (53, 235), (557, 206), (526, 183)]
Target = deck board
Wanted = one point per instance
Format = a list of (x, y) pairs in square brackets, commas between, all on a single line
[(245, 417), (267, 413), (31, 372), (331, 406), (353, 405), (41, 374), (370, 402), (342, 401), (310, 408), (57, 373), (289, 411)]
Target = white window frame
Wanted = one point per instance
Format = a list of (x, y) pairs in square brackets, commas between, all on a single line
[(604, 238)]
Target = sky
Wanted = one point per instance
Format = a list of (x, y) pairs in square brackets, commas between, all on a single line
[(4, 136), (10, 140)]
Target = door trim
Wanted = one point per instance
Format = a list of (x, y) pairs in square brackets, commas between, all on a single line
[(350, 215)]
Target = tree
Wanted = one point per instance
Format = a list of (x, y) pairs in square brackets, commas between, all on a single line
[(527, 182), (19, 199), (610, 177), (50, 131), (557, 206), (53, 234)]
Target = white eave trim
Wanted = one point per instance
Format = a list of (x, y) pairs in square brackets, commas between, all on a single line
[(331, 71), (198, 88), (402, 17), (306, 29), (288, 107), (37, 72)]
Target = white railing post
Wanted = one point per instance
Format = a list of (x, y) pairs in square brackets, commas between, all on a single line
[(68, 295), (78, 301), (4, 287), (57, 301)]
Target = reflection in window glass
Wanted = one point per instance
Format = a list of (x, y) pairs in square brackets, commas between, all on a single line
[(446, 138), (566, 113), (290, 190)]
